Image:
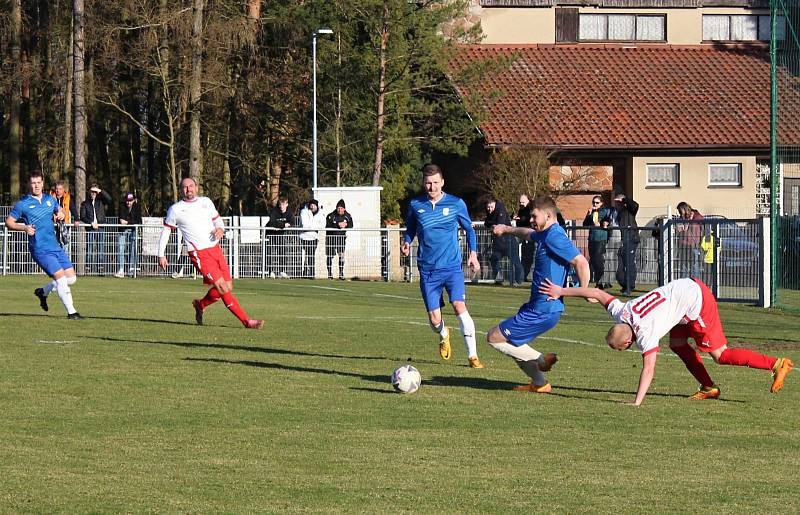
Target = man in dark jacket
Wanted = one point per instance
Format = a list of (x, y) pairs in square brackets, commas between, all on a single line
[(278, 240), (338, 220), (93, 213), (528, 247), (129, 215), (505, 245), (626, 209)]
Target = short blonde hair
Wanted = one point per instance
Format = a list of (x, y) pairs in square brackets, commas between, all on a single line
[(619, 336)]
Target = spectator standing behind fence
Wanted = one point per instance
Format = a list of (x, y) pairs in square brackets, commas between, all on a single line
[(129, 214), (504, 245), (202, 228), (599, 219), (625, 210), (688, 244), (93, 213), (338, 219), (310, 218), (71, 216), (33, 214), (277, 246), (528, 247)]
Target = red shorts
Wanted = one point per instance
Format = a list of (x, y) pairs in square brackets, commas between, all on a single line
[(706, 331), (211, 264)]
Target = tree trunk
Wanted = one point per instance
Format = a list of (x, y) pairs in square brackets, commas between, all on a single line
[(16, 99), (381, 121), (338, 123), (275, 179), (195, 92), (164, 57), (79, 101), (67, 162)]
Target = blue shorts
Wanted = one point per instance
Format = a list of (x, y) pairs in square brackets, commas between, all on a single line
[(431, 284), (51, 261), (527, 325)]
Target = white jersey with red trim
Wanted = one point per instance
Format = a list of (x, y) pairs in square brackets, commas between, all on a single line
[(196, 220), (652, 315)]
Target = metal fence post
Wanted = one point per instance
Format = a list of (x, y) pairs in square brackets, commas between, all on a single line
[(5, 250)]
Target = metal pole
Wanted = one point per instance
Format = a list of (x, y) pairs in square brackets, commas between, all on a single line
[(314, 108), (773, 150)]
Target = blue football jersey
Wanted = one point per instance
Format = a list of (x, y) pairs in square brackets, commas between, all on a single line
[(436, 225), (554, 252), (38, 213)]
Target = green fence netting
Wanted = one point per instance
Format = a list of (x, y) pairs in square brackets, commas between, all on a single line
[(785, 153)]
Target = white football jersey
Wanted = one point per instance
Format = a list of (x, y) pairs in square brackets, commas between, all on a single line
[(195, 220), (652, 315)]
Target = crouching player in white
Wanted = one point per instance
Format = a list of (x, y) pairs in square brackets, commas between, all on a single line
[(555, 253), (434, 219), (33, 214), (202, 228), (683, 308)]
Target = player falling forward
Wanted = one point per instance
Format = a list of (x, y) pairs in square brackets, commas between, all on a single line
[(434, 219), (683, 308), (555, 253), (202, 228), (33, 214)]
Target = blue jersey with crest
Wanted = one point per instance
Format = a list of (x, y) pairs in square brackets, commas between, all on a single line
[(39, 213), (436, 225)]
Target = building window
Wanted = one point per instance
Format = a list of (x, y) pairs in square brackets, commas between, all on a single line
[(740, 27), (622, 27), (725, 174), (663, 174)]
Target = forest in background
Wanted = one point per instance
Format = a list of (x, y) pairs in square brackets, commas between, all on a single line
[(221, 90)]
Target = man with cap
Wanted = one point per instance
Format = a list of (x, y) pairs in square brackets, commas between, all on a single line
[(93, 213), (129, 215), (311, 219), (338, 220)]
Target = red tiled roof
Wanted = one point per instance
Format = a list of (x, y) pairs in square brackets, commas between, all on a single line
[(598, 96)]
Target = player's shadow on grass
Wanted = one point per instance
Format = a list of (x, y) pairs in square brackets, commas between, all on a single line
[(382, 378), (557, 389), (226, 346)]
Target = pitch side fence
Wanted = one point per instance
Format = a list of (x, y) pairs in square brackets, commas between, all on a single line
[(727, 254)]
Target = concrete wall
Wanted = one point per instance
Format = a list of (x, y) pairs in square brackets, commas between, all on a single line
[(694, 187)]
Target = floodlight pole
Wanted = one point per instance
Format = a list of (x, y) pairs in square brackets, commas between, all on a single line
[(314, 106)]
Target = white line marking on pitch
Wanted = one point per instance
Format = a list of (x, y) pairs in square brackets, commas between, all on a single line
[(58, 341), (412, 322)]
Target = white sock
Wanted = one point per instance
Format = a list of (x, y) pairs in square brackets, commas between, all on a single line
[(468, 330), (47, 288), (527, 359), (65, 294)]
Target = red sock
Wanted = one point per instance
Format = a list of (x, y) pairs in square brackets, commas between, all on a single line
[(211, 297), (694, 364), (233, 305), (747, 358)]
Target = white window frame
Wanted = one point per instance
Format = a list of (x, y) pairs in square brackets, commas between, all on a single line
[(763, 26), (635, 16), (737, 166), (674, 184)]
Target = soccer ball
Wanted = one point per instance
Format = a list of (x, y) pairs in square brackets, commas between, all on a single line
[(406, 379)]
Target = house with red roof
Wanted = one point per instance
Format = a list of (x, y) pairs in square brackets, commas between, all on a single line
[(668, 99)]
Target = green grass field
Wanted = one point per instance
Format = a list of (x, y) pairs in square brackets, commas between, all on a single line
[(137, 409)]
